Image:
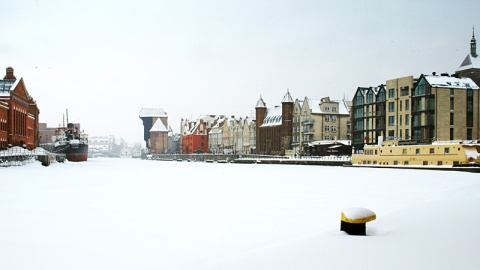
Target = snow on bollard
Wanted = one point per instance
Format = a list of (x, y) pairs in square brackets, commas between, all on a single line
[(354, 219)]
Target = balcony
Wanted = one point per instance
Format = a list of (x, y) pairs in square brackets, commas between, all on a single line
[(309, 132), (308, 122)]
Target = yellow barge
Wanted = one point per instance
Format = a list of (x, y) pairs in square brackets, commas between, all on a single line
[(440, 155)]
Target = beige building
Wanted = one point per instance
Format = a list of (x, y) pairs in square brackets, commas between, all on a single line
[(445, 108), (317, 121), (228, 135), (398, 108)]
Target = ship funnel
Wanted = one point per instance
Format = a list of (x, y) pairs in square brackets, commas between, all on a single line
[(380, 140)]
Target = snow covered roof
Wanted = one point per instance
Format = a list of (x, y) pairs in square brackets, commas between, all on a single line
[(470, 62), (450, 82), (327, 142), (273, 117), (314, 105), (152, 112), (287, 97), (159, 127), (260, 103), (344, 106)]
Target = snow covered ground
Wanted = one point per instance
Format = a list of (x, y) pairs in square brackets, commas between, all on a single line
[(134, 214)]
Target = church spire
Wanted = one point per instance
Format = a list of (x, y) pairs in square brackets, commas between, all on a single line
[(473, 44)]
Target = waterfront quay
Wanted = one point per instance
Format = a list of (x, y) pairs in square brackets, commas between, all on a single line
[(253, 159)]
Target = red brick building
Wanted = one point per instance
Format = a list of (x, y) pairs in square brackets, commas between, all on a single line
[(196, 138), (18, 113), (274, 127)]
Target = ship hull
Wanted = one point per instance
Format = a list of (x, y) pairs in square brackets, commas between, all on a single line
[(73, 152)]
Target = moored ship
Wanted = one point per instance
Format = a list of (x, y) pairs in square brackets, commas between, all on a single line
[(72, 143), (448, 155)]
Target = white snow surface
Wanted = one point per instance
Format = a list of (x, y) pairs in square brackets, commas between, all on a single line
[(135, 214)]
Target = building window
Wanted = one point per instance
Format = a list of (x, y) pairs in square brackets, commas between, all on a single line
[(407, 134), (327, 138), (401, 119), (432, 150), (451, 92), (469, 134), (334, 109), (404, 151), (334, 128), (391, 121), (327, 128), (451, 119), (440, 163), (452, 106), (391, 93), (327, 118), (417, 151), (391, 107), (447, 150), (381, 95), (334, 118), (404, 91), (407, 105), (401, 105), (327, 109)]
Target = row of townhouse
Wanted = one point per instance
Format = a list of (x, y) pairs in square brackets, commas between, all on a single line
[(218, 134), (232, 136), (431, 107), (304, 127)]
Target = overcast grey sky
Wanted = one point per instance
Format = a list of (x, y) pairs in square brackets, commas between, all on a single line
[(105, 60)]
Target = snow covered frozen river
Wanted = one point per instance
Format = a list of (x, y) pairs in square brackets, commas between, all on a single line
[(138, 214)]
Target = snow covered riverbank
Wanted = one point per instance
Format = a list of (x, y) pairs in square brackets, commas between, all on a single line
[(134, 214)]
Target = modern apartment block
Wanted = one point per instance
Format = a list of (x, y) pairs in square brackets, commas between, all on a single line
[(445, 108), (432, 107), (368, 115)]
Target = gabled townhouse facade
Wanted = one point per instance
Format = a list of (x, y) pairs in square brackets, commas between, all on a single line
[(229, 128), (195, 134), (215, 137), (248, 136), (195, 139)]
